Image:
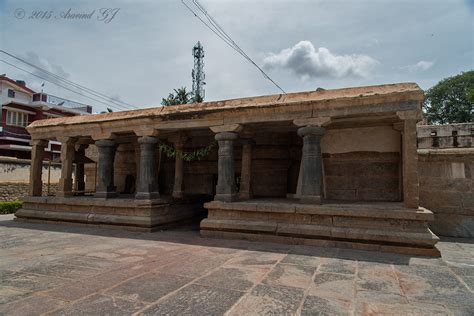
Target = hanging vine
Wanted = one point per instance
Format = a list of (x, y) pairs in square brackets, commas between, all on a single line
[(197, 154)]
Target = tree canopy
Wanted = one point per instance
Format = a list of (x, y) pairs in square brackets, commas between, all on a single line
[(180, 96), (451, 100)]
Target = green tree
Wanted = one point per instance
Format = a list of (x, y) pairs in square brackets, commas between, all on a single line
[(451, 100), (180, 96)]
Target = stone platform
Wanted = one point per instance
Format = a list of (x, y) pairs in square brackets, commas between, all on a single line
[(388, 227), (123, 213)]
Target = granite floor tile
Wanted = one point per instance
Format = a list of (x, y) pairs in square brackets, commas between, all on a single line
[(148, 287), (234, 278), (28, 281), (339, 266), (269, 300), (8, 294), (333, 285), (314, 305), (303, 260), (196, 300), (290, 275), (31, 306), (100, 305)]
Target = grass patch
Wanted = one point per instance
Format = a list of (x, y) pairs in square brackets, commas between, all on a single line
[(9, 207)]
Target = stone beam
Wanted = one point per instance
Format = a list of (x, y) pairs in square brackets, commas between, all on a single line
[(312, 121)]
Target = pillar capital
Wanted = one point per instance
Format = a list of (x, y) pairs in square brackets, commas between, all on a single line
[(39, 142), (105, 143), (147, 140), (226, 136), (236, 128), (67, 140), (415, 115), (311, 130)]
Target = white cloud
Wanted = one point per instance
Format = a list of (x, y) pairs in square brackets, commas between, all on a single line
[(422, 65), (304, 60)]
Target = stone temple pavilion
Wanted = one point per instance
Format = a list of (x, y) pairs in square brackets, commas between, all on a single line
[(334, 168)]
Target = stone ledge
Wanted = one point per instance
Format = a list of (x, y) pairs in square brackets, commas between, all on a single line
[(375, 210), (420, 239), (430, 252)]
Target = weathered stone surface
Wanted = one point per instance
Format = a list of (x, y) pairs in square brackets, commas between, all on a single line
[(290, 275), (178, 272), (149, 287), (269, 300), (196, 300)]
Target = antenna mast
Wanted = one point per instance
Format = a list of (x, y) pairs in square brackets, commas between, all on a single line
[(198, 73)]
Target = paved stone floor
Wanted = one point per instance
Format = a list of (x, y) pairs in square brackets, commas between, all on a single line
[(64, 270)]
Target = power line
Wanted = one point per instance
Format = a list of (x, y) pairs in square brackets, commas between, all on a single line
[(55, 83), (76, 85), (219, 31)]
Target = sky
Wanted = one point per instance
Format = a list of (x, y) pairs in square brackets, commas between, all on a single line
[(139, 51)]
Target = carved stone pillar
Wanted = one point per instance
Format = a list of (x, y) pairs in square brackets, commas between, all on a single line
[(147, 184), (245, 191), (67, 158), (311, 160), (105, 169), (178, 142), (36, 170), (80, 184), (410, 157), (226, 189)]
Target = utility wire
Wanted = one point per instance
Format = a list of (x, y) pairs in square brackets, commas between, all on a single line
[(107, 104), (219, 31), (76, 85)]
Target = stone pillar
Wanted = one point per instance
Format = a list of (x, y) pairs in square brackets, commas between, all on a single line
[(226, 189), (67, 158), (311, 160), (178, 143), (105, 169), (147, 184), (410, 157), (80, 184), (245, 192), (36, 170)]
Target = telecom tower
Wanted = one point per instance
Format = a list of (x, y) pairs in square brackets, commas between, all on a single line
[(198, 73)]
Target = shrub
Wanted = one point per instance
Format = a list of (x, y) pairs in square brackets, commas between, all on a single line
[(9, 207)]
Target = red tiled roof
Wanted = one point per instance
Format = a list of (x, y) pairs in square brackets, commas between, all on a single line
[(19, 86)]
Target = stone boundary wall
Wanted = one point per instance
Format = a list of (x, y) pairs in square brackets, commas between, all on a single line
[(15, 176), (446, 175), (13, 191)]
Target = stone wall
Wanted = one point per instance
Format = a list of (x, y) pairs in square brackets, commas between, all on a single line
[(15, 176), (446, 174), (12, 191)]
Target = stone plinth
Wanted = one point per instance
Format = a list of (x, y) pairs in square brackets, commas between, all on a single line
[(130, 214), (389, 227)]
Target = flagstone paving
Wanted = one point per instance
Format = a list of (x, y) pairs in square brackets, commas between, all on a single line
[(66, 270)]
